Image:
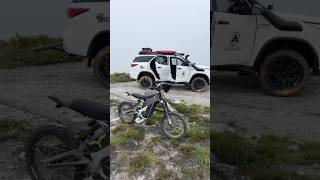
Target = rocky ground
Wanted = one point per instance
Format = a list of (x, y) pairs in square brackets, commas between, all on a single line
[(155, 156)]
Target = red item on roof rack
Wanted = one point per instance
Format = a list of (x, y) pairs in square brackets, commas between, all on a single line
[(149, 51), (165, 52)]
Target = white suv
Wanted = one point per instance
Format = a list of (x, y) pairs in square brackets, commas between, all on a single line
[(168, 66), (88, 34), (281, 49)]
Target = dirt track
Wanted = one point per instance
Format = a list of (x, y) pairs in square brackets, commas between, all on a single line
[(239, 100)]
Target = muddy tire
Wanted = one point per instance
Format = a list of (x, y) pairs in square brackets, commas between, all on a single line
[(126, 106), (171, 132), (101, 66), (146, 82), (284, 73), (68, 141), (198, 84)]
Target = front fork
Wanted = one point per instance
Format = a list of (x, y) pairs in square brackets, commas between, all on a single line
[(167, 111)]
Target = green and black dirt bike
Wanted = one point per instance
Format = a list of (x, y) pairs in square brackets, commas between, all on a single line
[(173, 124), (56, 152)]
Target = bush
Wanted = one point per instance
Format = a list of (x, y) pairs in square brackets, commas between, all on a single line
[(120, 77)]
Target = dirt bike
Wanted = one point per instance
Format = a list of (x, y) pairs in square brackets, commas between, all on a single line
[(173, 125), (56, 152)]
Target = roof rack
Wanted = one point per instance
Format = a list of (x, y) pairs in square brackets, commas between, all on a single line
[(146, 51)]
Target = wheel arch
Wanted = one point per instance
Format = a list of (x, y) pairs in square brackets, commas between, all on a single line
[(100, 40), (200, 75), (145, 73), (299, 45)]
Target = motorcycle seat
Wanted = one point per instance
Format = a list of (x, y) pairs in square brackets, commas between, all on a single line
[(85, 107), (140, 96)]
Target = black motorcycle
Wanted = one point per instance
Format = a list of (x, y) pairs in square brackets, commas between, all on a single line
[(56, 152), (173, 124)]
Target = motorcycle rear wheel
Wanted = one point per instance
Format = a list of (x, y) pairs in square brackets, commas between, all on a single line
[(65, 140)]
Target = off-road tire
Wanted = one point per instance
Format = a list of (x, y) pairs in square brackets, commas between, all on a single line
[(129, 121), (66, 136), (101, 64), (301, 72), (145, 81), (198, 84), (185, 126)]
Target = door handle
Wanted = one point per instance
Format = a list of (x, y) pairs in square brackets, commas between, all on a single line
[(159, 67), (222, 22), (179, 68)]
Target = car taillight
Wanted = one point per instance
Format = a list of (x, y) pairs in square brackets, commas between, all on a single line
[(72, 12), (134, 65)]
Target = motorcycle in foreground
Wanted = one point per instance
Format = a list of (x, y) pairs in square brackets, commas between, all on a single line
[(173, 125), (56, 152)]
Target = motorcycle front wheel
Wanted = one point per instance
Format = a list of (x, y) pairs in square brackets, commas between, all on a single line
[(178, 127)]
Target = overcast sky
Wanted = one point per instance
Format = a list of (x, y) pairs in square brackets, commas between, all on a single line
[(160, 24), (181, 25)]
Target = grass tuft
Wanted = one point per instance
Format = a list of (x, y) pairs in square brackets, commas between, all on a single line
[(123, 133), (120, 77), (13, 129), (14, 52), (139, 163)]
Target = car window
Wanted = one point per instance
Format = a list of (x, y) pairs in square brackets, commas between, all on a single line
[(223, 5), (143, 59), (178, 62), (162, 60), (233, 6)]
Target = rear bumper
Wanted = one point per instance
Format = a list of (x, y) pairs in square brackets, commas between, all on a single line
[(133, 75)]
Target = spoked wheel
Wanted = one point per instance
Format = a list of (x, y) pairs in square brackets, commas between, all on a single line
[(284, 73), (177, 128), (146, 82), (126, 112), (198, 84), (45, 143), (101, 66)]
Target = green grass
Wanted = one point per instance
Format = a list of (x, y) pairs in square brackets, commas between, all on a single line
[(256, 158), (114, 102), (187, 109), (14, 52), (123, 133), (198, 134), (175, 142), (156, 117), (156, 139), (120, 77), (140, 162), (13, 129), (163, 173), (200, 153)]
